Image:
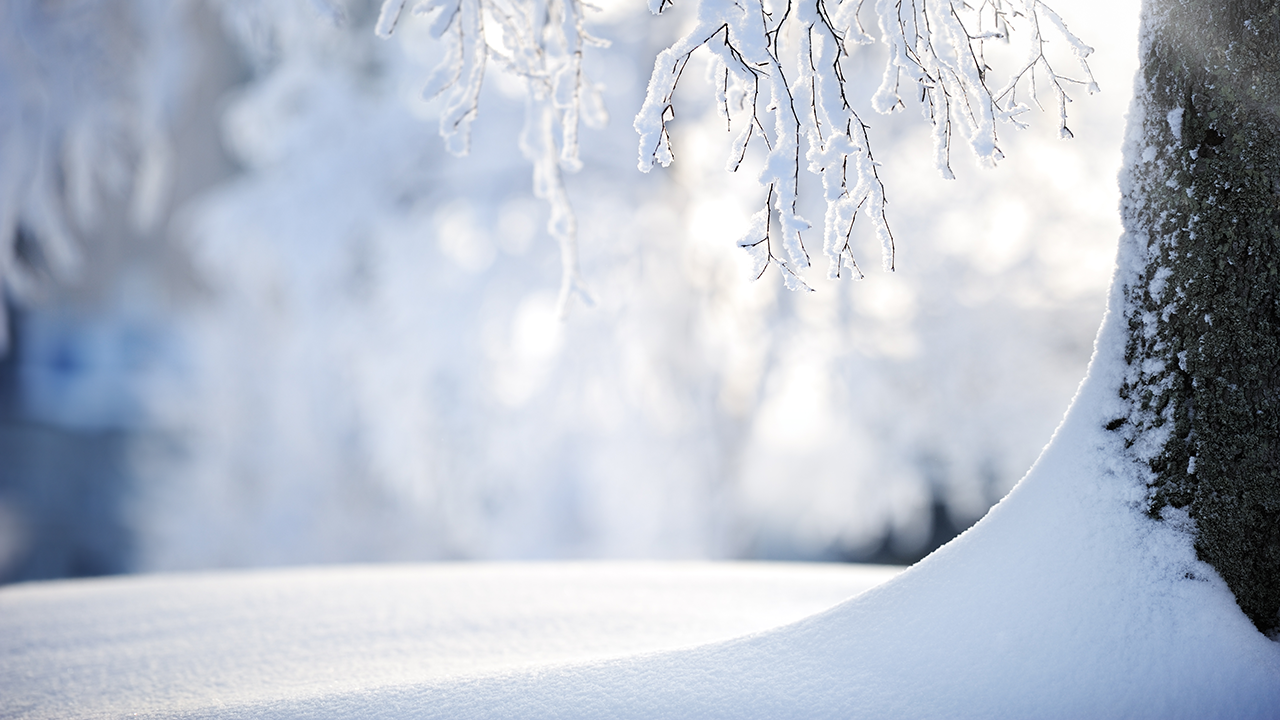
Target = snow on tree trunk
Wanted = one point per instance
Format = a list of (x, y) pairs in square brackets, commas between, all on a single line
[(1201, 211)]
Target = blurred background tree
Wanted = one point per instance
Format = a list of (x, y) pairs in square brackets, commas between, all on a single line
[(301, 331)]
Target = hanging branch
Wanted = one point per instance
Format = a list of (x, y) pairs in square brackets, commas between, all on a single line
[(786, 94), (1036, 59), (541, 41), (931, 49)]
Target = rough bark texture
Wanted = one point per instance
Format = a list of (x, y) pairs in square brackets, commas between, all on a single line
[(1202, 220)]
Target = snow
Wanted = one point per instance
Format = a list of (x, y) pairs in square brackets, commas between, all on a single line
[(1174, 118), (225, 642)]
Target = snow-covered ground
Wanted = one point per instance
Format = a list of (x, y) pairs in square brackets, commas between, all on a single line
[(231, 643)]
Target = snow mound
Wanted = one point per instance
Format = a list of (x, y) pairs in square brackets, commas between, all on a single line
[(1065, 601)]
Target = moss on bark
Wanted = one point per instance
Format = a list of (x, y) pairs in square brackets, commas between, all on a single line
[(1203, 204)]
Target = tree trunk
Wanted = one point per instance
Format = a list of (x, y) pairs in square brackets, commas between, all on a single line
[(1199, 264)]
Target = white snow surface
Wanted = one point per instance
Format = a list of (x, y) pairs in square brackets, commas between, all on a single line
[(1065, 601), (243, 643)]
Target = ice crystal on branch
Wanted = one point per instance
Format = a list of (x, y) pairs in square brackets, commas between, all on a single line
[(778, 72), (540, 41)]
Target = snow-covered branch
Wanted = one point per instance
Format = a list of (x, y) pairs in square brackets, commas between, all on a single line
[(87, 110), (541, 41), (1036, 59), (788, 56)]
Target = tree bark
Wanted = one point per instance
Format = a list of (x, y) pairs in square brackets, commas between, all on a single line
[(1199, 264)]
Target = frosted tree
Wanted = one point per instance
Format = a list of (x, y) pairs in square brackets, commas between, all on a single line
[(1199, 276), (287, 228), (86, 91), (409, 285)]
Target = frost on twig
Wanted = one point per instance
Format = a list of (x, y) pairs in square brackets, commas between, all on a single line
[(542, 42), (777, 72)]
